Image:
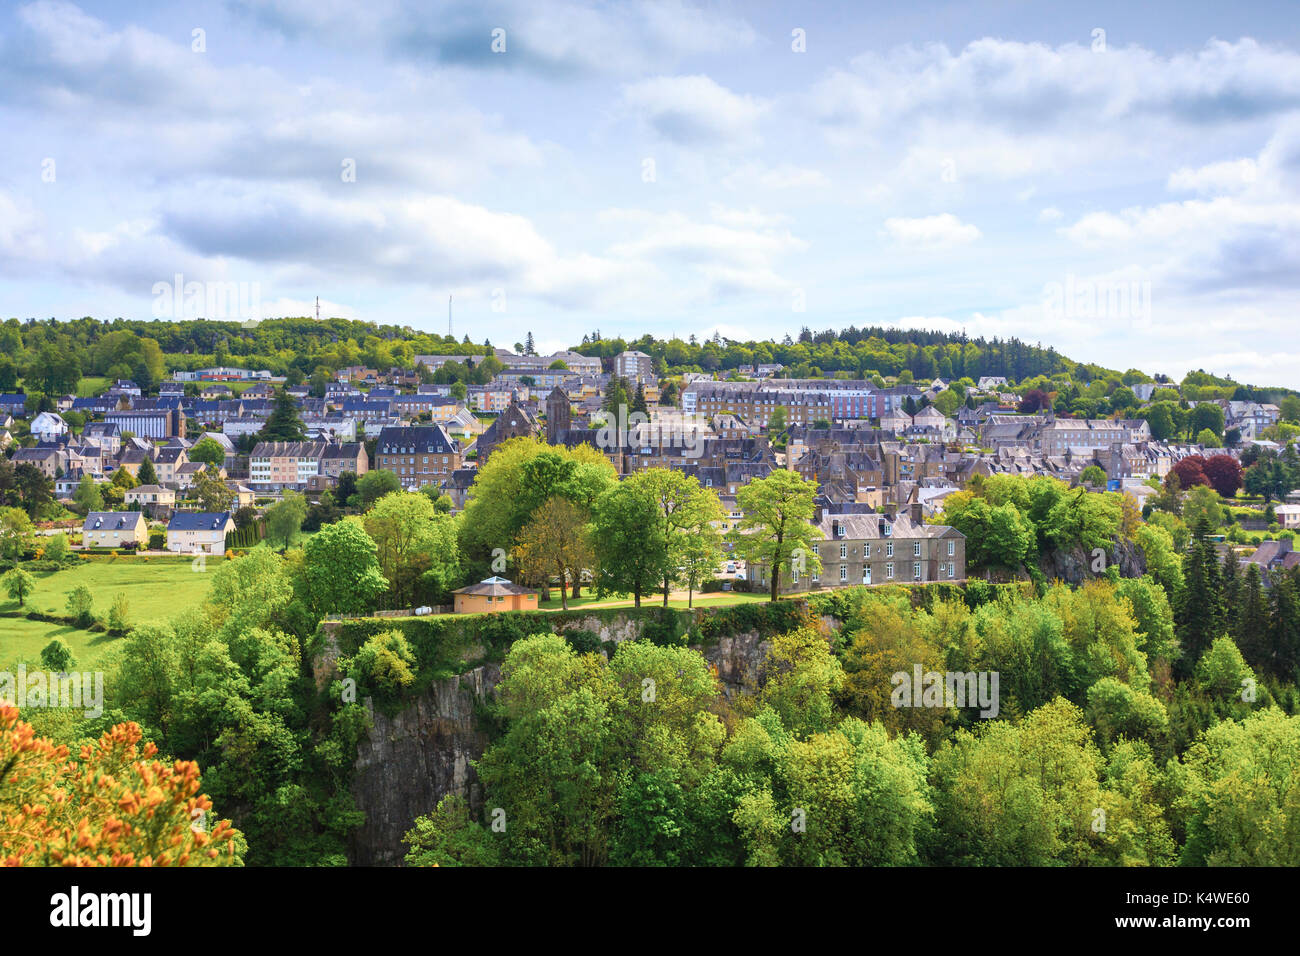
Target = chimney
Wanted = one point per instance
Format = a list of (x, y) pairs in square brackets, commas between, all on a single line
[(916, 515)]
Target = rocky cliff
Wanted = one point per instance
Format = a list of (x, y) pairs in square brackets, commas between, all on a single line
[(406, 763), (410, 761)]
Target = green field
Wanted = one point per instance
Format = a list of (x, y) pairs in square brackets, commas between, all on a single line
[(22, 639), (158, 588)]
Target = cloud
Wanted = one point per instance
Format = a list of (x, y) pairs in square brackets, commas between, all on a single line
[(694, 110), (931, 232), (563, 38), (1215, 178)]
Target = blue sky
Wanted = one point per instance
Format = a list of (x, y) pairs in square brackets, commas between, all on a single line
[(1120, 181)]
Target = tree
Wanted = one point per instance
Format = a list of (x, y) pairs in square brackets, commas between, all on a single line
[(1160, 420), (1206, 416), (626, 532), (1224, 474), (681, 507), (211, 493), (284, 520), (81, 606), (1189, 471), (208, 451), (554, 542), (87, 496), (372, 486), (146, 474), (416, 547), (1034, 400), (16, 530), (1202, 502), (340, 570), (1289, 408), (56, 548), (57, 657), (1237, 798), (1200, 612), (284, 423), (776, 526), (34, 489), (1093, 475), (19, 584)]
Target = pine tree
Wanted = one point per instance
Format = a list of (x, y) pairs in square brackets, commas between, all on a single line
[(147, 474), (1200, 613), (1284, 626), (284, 423), (1252, 631)]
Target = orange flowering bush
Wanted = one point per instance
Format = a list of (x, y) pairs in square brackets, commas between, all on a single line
[(111, 806)]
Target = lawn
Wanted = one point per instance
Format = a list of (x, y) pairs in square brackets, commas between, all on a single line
[(90, 386), (154, 589), (22, 640)]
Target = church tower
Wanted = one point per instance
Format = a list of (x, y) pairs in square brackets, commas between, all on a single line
[(557, 415)]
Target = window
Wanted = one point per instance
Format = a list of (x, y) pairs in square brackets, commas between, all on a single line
[(844, 572), (889, 570), (952, 569), (889, 549), (916, 549), (844, 551), (916, 571), (951, 548)]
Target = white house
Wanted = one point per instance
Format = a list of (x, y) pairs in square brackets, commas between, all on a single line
[(49, 426), (199, 532)]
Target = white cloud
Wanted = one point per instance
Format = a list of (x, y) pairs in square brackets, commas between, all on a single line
[(931, 232)]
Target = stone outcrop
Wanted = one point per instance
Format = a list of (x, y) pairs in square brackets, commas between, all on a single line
[(410, 761)]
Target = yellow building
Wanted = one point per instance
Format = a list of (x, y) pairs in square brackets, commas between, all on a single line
[(492, 595)]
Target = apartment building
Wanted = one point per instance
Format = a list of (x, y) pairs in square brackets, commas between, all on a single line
[(418, 454)]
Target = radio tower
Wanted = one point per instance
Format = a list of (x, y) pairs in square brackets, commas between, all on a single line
[(448, 316), (317, 308)]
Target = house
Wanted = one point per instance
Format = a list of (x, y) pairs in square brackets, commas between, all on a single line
[(876, 548), (114, 529), (493, 595), (1288, 516), (49, 426), (107, 435), (15, 405), (199, 532), (49, 459), (152, 496), (989, 382)]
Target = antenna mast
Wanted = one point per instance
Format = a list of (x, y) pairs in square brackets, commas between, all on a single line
[(448, 316), (317, 308)]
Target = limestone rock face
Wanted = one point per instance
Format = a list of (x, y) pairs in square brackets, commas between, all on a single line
[(1076, 565), (738, 659), (410, 761)]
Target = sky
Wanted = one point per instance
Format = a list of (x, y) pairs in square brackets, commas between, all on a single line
[(1120, 181)]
